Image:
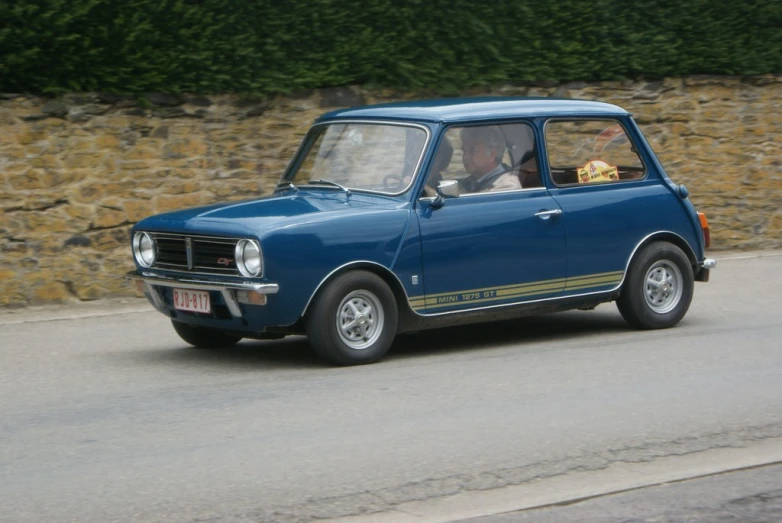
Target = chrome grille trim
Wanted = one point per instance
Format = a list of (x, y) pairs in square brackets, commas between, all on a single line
[(195, 254)]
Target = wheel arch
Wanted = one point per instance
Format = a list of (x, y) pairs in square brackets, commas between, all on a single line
[(381, 271), (670, 237)]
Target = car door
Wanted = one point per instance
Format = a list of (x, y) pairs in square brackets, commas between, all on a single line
[(608, 199), (491, 249)]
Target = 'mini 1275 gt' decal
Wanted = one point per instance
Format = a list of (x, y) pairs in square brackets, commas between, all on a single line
[(489, 295)]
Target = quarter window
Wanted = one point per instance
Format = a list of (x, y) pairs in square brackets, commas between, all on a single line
[(585, 152)]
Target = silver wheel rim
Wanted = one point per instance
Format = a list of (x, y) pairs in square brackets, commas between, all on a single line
[(360, 319), (663, 286)]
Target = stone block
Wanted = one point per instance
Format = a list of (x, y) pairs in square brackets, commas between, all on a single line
[(179, 187), (141, 153), (91, 192), (88, 291), (29, 180), (171, 203), (106, 218), (27, 135), (14, 153), (136, 210), (110, 239), (187, 148), (13, 292), (107, 141), (135, 165), (84, 161), (50, 292), (46, 161)]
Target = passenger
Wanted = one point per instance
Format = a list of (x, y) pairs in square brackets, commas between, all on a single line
[(483, 149)]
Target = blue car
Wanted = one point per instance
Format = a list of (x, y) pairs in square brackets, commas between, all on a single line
[(407, 216)]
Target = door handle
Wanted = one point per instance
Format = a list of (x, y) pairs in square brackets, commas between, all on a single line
[(545, 215)]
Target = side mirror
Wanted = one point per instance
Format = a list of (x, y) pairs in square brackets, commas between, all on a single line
[(448, 188)]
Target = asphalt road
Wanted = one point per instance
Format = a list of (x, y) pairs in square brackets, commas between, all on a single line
[(106, 416)]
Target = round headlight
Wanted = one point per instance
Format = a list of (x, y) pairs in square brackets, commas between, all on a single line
[(248, 258), (144, 249)]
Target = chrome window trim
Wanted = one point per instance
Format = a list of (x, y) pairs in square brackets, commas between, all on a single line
[(589, 118), (516, 121), (486, 193), (416, 170)]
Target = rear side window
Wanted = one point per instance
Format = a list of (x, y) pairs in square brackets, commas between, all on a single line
[(586, 152)]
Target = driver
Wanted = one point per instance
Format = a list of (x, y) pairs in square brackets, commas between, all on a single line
[(482, 151)]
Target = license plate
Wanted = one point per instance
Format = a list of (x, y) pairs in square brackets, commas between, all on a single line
[(193, 301)]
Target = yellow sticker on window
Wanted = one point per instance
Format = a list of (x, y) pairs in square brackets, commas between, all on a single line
[(597, 171)]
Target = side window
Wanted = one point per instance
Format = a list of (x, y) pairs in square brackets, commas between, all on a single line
[(591, 151), (485, 158)]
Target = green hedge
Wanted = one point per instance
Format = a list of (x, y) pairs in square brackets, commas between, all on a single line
[(442, 46)]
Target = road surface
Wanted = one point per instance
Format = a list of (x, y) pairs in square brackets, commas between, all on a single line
[(105, 415)]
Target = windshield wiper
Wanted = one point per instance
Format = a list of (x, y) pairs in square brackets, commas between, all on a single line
[(329, 182), (286, 184)]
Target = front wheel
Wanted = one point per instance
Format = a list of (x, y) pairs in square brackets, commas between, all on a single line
[(658, 289), (203, 337), (353, 320)]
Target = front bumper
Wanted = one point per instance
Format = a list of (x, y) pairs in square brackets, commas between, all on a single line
[(232, 292)]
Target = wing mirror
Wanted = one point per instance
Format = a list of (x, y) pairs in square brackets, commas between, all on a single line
[(445, 189), (448, 188)]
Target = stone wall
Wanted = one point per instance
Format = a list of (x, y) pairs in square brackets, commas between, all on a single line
[(78, 171)]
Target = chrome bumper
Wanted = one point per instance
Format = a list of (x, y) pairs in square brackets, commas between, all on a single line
[(709, 263), (229, 290)]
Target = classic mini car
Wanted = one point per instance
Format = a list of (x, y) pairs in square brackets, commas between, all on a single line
[(406, 216)]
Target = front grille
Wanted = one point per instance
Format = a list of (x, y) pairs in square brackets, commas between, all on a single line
[(209, 255)]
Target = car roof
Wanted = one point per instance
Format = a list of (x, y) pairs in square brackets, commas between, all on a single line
[(486, 108)]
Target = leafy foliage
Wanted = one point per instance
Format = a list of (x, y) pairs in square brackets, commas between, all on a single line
[(442, 46)]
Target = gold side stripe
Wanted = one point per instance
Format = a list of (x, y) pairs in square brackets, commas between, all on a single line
[(510, 291), (505, 292), (581, 283), (528, 284), (501, 287), (499, 293), (495, 298)]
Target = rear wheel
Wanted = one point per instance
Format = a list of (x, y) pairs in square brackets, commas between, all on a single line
[(353, 320), (658, 289), (203, 337)]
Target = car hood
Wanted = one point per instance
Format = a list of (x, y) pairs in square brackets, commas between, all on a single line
[(254, 217)]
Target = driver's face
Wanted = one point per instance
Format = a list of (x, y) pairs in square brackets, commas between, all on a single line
[(477, 158)]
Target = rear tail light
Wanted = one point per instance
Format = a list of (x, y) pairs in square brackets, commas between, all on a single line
[(705, 228)]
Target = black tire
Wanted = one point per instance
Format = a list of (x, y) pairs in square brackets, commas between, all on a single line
[(352, 297), (646, 305), (203, 337)]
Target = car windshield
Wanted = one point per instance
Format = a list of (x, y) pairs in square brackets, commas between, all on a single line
[(361, 156)]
